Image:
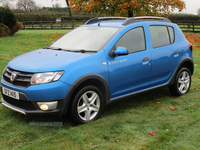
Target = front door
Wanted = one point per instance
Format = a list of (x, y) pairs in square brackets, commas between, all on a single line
[(130, 73)]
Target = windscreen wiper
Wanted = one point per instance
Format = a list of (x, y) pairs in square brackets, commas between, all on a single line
[(57, 48), (84, 51)]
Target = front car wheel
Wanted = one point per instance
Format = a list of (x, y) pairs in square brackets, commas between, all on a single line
[(87, 105)]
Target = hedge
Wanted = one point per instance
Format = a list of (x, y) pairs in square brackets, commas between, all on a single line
[(56, 9), (4, 30), (7, 17), (38, 16), (184, 17), (65, 18)]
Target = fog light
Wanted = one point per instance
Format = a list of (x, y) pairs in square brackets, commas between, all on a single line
[(44, 107), (47, 105)]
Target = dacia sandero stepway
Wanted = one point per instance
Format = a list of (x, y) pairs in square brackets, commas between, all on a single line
[(101, 61)]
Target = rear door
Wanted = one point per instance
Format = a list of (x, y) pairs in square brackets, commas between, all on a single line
[(165, 54)]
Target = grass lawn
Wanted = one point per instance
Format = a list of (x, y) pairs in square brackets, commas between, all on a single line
[(124, 124)]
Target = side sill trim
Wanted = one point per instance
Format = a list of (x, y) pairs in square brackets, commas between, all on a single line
[(12, 107), (137, 92)]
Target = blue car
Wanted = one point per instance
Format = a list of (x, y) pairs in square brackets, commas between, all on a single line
[(97, 63)]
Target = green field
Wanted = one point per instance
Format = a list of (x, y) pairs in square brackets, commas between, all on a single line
[(123, 125)]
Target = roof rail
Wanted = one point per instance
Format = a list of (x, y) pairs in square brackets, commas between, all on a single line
[(144, 18), (104, 18)]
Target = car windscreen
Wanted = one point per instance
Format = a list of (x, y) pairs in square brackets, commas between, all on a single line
[(85, 38)]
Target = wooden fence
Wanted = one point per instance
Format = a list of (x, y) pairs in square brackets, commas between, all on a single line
[(50, 25), (189, 26)]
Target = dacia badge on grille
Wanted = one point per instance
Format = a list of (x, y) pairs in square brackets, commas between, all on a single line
[(13, 77)]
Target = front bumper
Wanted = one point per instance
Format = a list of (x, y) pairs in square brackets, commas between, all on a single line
[(27, 105), (29, 98), (47, 92), (30, 107)]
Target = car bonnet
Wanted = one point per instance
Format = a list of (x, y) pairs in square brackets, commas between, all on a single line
[(44, 60)]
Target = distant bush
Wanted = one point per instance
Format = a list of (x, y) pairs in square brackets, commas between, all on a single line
[(184, 17), (7, 17), (38, 16), (48, 15), (8, 22), (4, 30), (56, 9), (24, 17), (15, 28), (65, 18)]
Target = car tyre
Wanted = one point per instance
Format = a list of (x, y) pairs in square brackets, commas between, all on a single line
[(182, 82), (87, 105)]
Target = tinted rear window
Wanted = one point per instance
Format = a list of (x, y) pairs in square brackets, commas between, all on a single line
[(160, 36)]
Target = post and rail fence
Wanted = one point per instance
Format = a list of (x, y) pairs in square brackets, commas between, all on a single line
[(50, 25), (189, 26), (186, 26)]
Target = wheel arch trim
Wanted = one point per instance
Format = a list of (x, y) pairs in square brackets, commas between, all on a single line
[(184, 60), (80, 81)]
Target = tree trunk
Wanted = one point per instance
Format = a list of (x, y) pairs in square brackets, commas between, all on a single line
[(130, 13), (70, 13)]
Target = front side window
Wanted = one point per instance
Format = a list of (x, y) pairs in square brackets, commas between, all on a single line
[(161, 35), (133, 40)]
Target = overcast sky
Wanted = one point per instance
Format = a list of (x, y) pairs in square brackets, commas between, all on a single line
[(191, 5)]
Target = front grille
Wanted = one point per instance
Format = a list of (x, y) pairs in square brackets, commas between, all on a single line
[(27, 105), (22, 78)]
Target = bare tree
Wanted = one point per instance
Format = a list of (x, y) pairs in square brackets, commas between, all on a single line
[(198, 11), (70, 13), (1, 1), (7, 4), (26, 5), (4, 2), (67, 2), (56, 5)]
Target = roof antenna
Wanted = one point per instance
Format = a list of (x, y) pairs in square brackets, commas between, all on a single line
[(99, 22)]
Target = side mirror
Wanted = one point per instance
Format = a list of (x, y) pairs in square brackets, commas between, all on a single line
[(118, 52), (121, 51)]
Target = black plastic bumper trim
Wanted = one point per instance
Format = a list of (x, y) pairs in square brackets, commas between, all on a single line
[(57, 111)]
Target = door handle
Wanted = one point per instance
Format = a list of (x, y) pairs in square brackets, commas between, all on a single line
[(145, 59), (176, 53)]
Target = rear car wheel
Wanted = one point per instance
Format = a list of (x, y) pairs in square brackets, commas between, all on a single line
[(182, 82), (87, 105)]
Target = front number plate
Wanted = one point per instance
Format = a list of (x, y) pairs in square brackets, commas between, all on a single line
[(10, 93)]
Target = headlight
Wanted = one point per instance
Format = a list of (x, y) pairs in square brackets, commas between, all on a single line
[(40, 78)]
